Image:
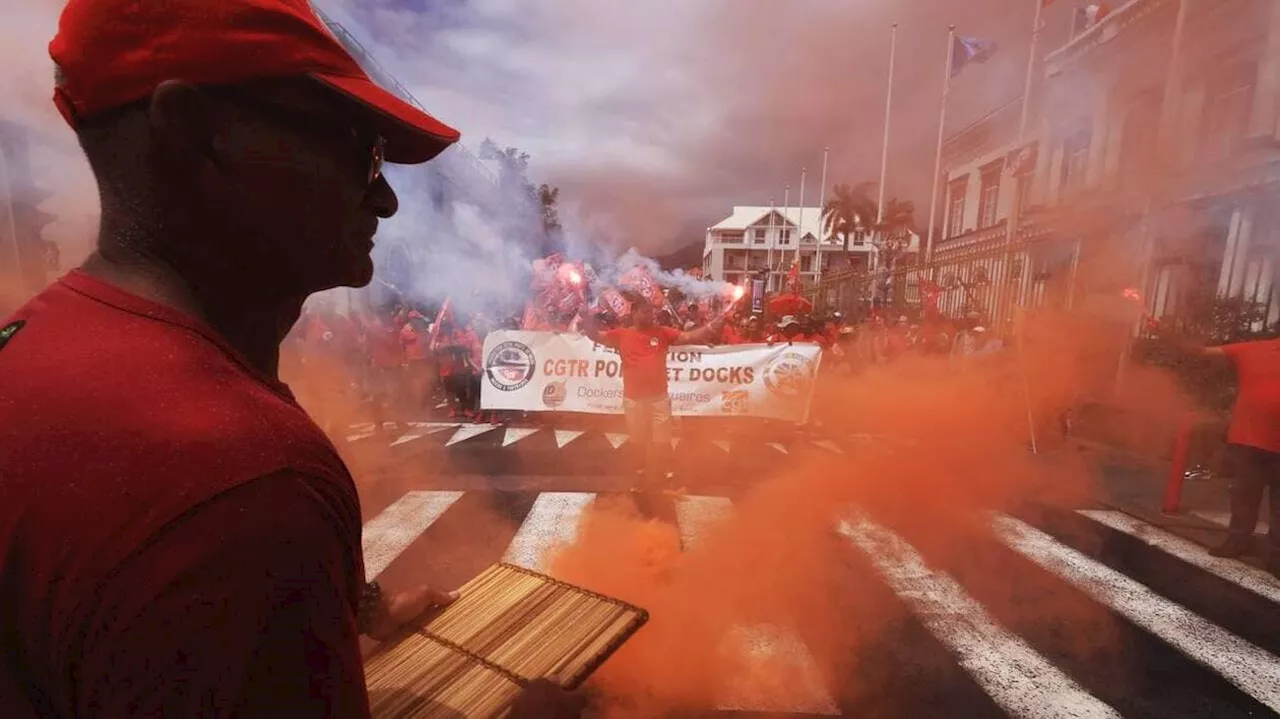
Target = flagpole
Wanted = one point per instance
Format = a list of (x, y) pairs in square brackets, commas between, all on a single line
[(1172, 88), (786, 210), (800, 220), (1015, 207), (937, 162), (768, 262), (822, 201), (884, 150), (1036, 29)]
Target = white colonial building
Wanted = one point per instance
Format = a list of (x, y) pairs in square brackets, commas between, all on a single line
[(753, 239), (1153, 148)]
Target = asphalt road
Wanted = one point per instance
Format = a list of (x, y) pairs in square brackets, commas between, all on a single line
[(1094, 614)]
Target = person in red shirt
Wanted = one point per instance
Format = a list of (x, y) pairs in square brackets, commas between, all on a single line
[(417, 359), (789, 331), (177, 537), (456, 349), (1253, 445), (646, 398), (386, 370)]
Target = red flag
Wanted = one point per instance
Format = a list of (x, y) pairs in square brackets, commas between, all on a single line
[(793, 277), (639, 280), (930, 291), (615, 302)]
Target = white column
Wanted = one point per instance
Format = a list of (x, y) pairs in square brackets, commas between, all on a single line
[(6, 205), (1241, 259), (1229, 254), (1264, 121)]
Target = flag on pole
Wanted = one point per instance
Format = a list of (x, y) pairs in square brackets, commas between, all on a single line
[(965, 50), (1090, 15)]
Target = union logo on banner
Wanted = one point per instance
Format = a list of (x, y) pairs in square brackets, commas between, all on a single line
[(790, 375), (510, 366)]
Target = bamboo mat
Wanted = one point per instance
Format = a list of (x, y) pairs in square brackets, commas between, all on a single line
[(508, 627)]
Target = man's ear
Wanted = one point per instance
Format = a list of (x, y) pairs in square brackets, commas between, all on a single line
[(182, 126)]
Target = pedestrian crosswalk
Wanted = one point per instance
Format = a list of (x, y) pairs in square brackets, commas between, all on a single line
[(1021, 670), (507, 435)]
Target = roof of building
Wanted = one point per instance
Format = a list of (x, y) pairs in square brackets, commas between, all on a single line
[(744, 217)]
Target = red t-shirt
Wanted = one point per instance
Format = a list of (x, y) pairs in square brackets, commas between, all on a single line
[(456, 352), (644, 358), (414, 343), (177, 537), (384, 346), (1255, 421)]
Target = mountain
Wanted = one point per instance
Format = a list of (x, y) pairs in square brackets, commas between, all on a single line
[(687, 256)]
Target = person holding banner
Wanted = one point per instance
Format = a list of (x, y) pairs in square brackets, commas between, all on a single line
[(642, 348)]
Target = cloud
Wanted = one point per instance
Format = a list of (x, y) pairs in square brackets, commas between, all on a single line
[(661, 115), (654, 117)]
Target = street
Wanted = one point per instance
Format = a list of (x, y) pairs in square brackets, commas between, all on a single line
[(1055, 611)]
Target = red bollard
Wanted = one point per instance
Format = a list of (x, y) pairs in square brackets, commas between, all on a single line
[(1178, 464)]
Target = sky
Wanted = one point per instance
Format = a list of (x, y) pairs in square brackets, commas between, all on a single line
[(655, 117)]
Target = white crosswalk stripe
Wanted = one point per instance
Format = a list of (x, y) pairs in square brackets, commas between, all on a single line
[(1250, 578), (515, 434), (1223, 519), (1018, 678), (565, 436), (392, 531), (423, 429), (552, 522), (470, 431), (1252, 669), (764, 644)]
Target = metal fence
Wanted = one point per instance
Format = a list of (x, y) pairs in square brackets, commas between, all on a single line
[(983, 277)]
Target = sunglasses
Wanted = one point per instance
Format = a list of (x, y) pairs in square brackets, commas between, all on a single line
[(305, 120)]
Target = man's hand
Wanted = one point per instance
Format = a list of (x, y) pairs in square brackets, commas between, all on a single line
[(407, 606), (542, 699)]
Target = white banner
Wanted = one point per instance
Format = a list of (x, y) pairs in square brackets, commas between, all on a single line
[(552, 372)]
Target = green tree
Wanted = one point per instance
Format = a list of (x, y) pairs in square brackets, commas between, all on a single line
[(849, 211), (895, 230), (548, 199)]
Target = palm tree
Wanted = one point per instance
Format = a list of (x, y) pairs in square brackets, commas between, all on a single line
[(548, 198), (850, 210), (893, 236), (899, 220)]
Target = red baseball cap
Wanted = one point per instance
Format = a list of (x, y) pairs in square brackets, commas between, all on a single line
[(113, 52)]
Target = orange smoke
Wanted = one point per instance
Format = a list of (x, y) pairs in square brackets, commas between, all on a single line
[(954, 444)]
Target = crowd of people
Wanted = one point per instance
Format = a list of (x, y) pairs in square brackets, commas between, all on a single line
[(410, 361), (177, 536)]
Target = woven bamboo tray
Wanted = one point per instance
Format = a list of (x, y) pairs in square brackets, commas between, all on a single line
[(509, 626)]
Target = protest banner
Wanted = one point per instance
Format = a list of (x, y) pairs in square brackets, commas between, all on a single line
[(562, 372)]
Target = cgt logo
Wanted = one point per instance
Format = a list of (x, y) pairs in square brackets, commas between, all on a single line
[(789, 376), (510, 366), (735, 401), (554, 394)]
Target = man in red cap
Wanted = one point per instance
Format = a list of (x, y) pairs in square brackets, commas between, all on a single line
[(177, 537)]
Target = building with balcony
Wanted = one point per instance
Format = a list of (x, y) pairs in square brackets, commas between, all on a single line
[(1152, 158), (1162, 140), (756, 239)]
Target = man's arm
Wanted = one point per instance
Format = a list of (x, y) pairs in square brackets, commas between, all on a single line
[(242, 608), (591, 328), (704, 335)]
